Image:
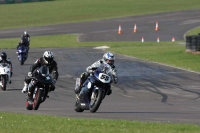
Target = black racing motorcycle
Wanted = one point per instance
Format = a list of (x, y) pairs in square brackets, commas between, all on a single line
[(43, 83)]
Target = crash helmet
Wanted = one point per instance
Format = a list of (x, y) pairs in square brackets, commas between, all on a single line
[(109, 58), (48, 57), (25, 33), (3, 56)]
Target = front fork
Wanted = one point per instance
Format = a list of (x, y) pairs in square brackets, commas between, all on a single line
[(37, 91)]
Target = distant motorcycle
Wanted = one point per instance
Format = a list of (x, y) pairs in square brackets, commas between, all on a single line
[(5, 74), (43, 82), (26, 41), (22, 52), (95, 89)]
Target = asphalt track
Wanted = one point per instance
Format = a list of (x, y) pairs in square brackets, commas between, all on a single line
[(146, 91)]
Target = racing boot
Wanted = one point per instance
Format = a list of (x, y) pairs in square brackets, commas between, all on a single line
[(83, 93), (109, 92), (25, 89), (78, 89)]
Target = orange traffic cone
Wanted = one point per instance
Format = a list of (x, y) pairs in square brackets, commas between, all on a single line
[(173, 39), (142, 39), (120, 30), (135, 28), (158, 39), (156, 28)]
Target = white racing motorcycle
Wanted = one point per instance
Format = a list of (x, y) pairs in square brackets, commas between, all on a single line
[(4, 75)]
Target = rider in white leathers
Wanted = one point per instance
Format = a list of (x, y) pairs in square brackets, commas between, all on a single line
[(108, 58)]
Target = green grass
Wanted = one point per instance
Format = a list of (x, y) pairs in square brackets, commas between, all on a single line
[(66, 11), (194, 31), (171, 53), (23, 123)]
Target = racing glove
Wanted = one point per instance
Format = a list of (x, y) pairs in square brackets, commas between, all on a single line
[(115, 80)]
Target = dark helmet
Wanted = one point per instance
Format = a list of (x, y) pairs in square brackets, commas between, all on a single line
[(3, 56)]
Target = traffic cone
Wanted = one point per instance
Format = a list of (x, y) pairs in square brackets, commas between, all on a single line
[(156, 28), (158, 39), (142, 39), (173, 39), (120, 30), (135, 28)]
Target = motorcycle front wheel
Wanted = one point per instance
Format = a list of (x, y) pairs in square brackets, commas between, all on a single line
[(96, 98), (3, 80), (37, 100)]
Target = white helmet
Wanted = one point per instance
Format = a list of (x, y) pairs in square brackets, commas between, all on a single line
[(109, 58), (25, 33), (48, 57)]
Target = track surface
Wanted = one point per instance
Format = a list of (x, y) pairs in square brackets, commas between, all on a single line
[(146, 91)]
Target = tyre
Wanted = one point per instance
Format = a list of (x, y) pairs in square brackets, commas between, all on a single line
[(193, 46), (22, 60), (77, 106), (3, 80), (96, 100), (29, 106), (37, 99), (188, 43)]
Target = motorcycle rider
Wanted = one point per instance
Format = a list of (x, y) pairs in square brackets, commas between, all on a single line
[(48, 60), (22, 43), (26, 38), (108, 58), (4, 59)]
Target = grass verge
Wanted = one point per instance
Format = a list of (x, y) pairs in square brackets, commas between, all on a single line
[(194, 31), (23, 123), (66, 11)]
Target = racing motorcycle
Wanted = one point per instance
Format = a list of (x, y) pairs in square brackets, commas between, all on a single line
[(22, 52), (42, 82), (5, 75), (94, 89)]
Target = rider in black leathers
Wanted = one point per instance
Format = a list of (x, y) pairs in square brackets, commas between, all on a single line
[(26, 39), (47, 60)]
